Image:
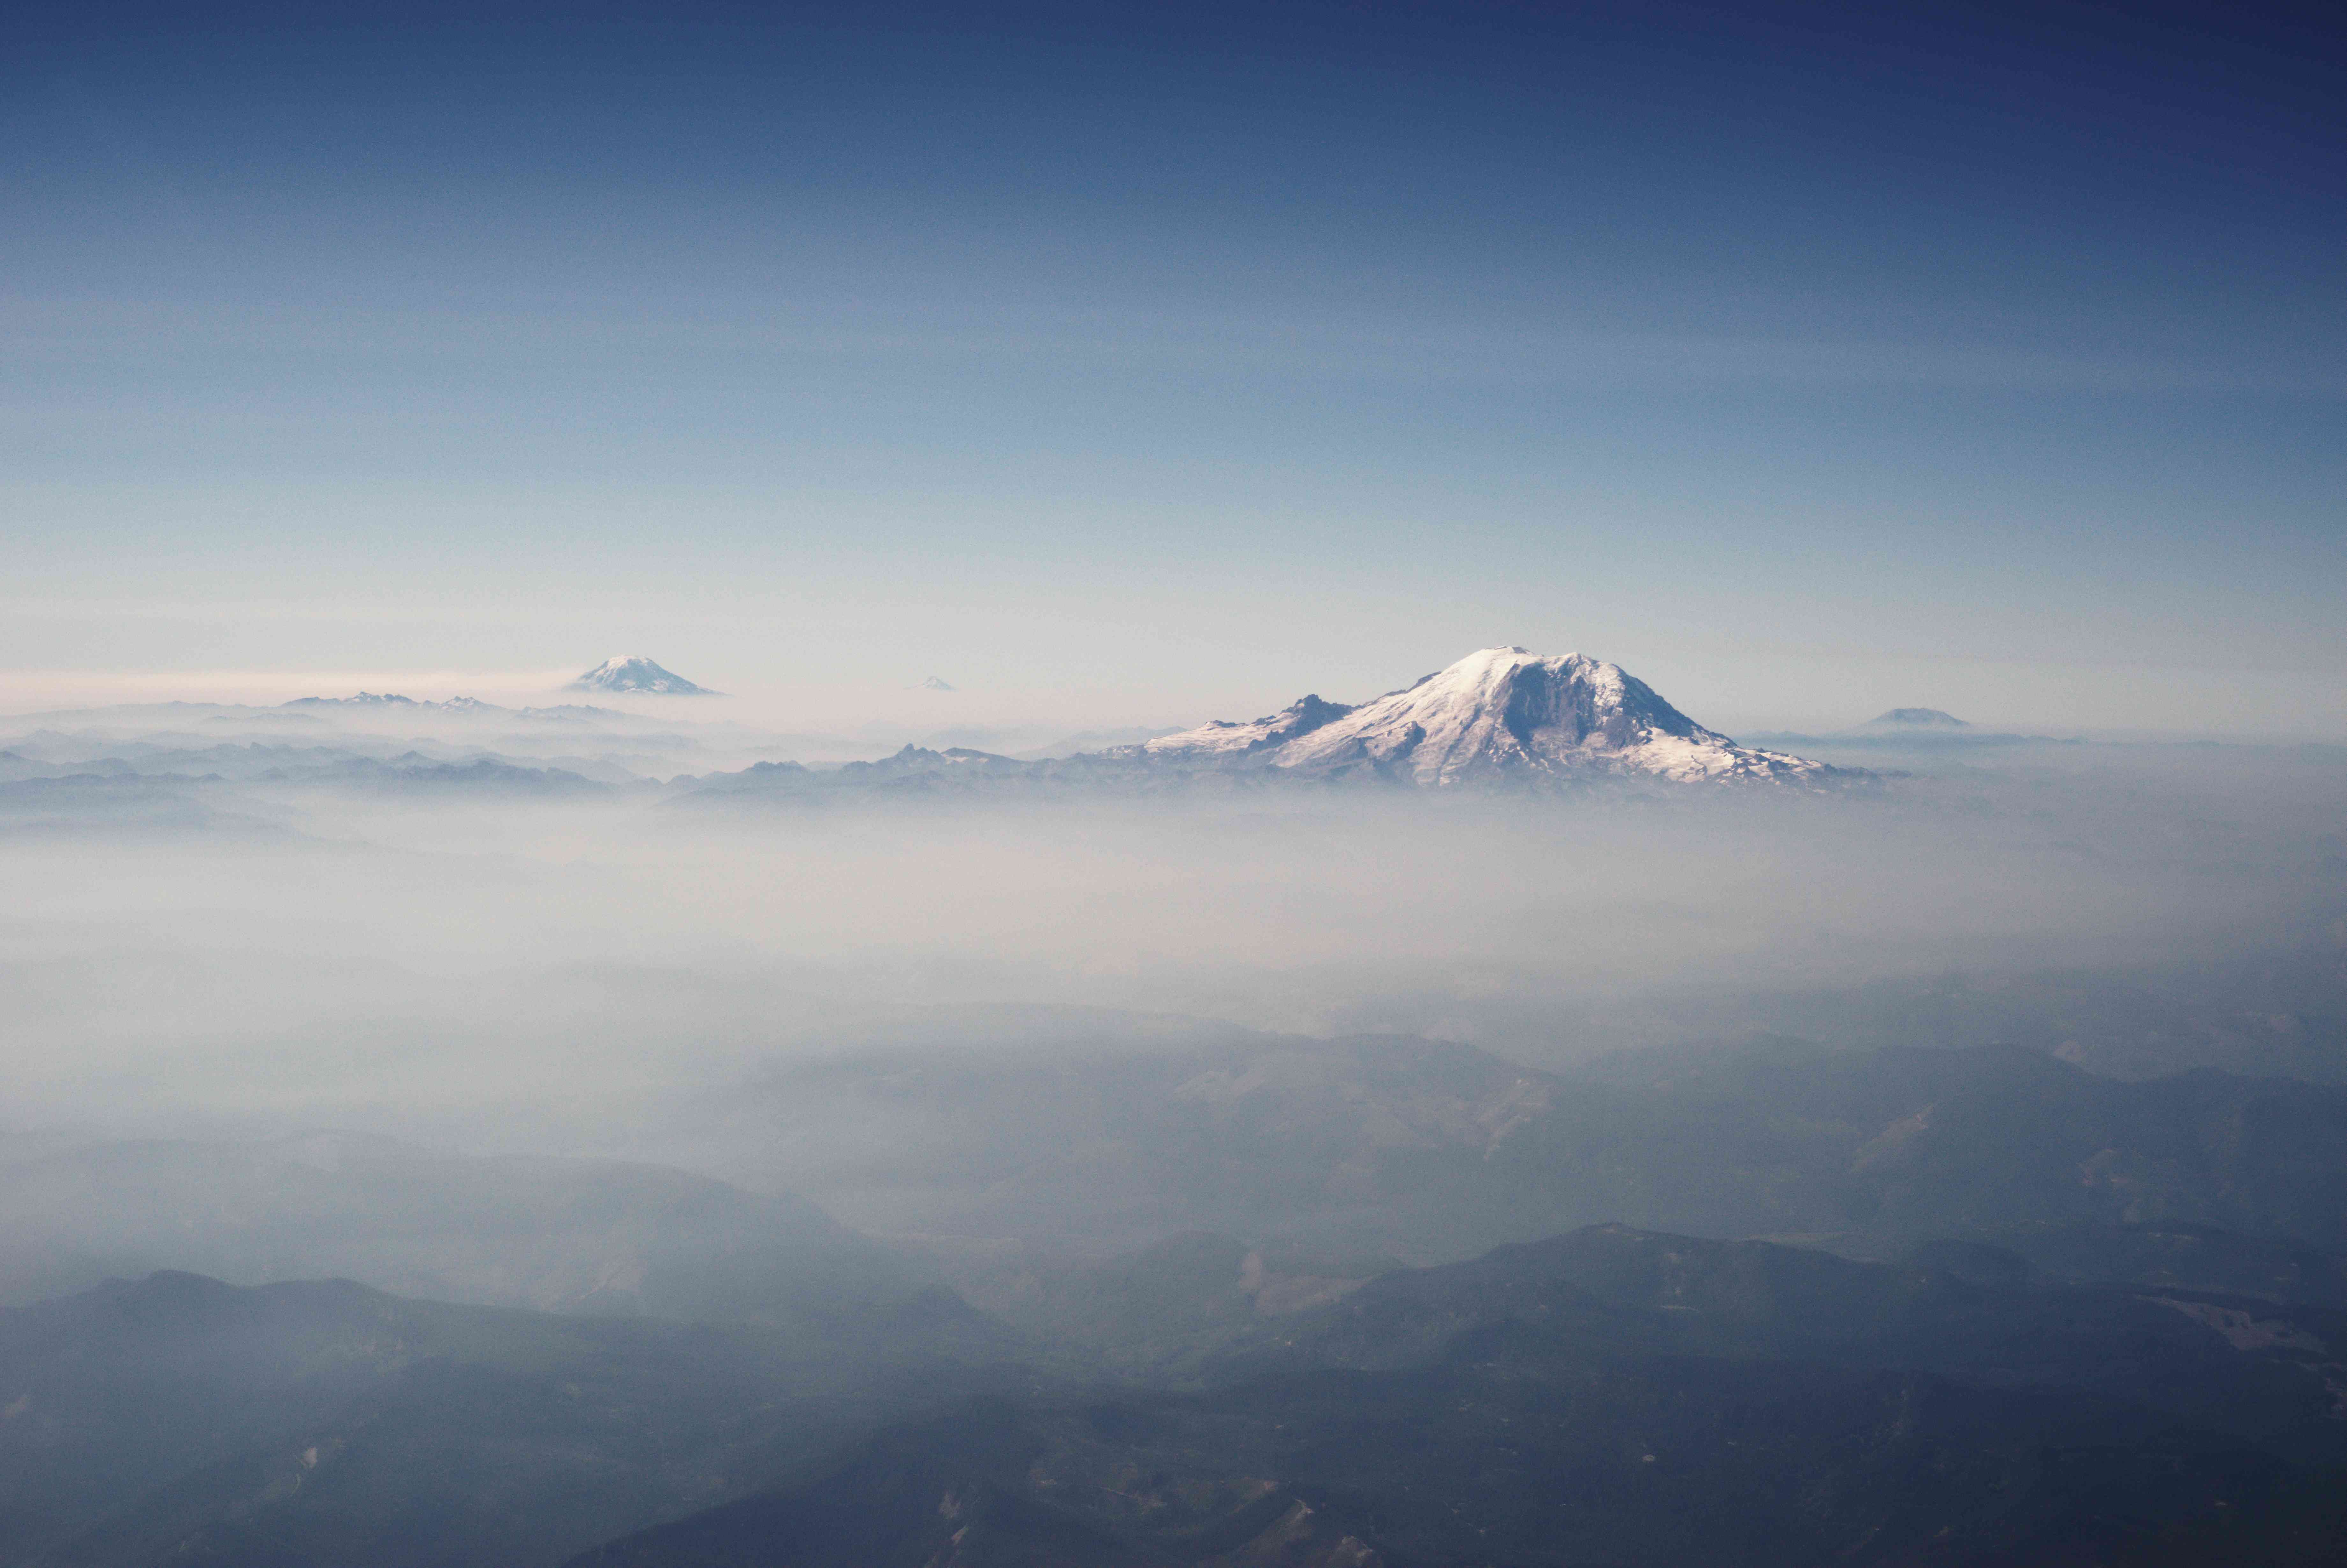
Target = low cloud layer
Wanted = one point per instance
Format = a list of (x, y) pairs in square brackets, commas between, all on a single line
[(320, 947)]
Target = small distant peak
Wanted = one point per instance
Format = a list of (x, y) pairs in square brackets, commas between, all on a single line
[(637, 674), (1917, 719), (937, 683)]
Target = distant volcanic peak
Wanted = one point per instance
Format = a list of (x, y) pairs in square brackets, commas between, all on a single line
[(1497, 713), (1228, 737), (1916, 719), (1506, 710), (1508, 713), (635, 673), (938, 683)]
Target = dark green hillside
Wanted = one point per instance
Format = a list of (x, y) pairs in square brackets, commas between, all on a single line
[(1611, 1291), (1614, 1397), (1903, 1142), (2113, 1325), (2178, 1256), (1430, 1151), (557, 1234), (2278, 1013), (181, 1420)]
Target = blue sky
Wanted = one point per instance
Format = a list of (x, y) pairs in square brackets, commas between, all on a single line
[(1156, 363)]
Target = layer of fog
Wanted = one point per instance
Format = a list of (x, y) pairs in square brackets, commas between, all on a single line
[(502, 970)]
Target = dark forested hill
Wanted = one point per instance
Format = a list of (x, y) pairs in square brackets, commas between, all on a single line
[(181, 1419), (1432, 1151), (2047, 1317), (559, 1235), (1613, 1397)]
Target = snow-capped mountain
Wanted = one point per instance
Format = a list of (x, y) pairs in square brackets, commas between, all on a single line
[(1228, 737), (635, 673), (1500, 714), (1501, 718)]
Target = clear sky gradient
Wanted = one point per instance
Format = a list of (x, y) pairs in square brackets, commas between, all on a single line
[(1151, 364)]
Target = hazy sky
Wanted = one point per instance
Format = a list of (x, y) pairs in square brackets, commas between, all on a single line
[(1148, 364)]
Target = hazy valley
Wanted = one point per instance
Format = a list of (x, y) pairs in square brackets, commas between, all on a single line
[(449, 1134)]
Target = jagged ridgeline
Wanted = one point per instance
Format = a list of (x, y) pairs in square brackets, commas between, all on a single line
[(1082, 1185), (1500, 719), (2024, 1371), (1611, 1396)]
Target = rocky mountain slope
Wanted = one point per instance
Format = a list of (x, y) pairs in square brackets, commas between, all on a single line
[(179, 1420), (1500, 714), (557, 1235), (1618, 1396), (1502, 718), (1429, 1151), (634, 673)]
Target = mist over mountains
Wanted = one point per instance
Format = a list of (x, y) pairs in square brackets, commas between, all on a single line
[(1502, 1119), (1129, 1000), (1502, 718)]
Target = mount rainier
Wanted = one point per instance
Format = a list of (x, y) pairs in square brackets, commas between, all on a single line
[(1500, 719), (1500, 714)]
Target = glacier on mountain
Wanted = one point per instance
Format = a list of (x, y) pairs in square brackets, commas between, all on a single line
[(636, 673), (1501, 718), (1228, 737), (1498, 715)]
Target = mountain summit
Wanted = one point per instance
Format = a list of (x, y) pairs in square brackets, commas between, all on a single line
[(1500, 714), (635, 673), (1502, 720), (1915, 718)]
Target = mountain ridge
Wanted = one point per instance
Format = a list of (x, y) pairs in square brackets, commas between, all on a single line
[(640, 674), (1509, 713), (1502, 718)]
